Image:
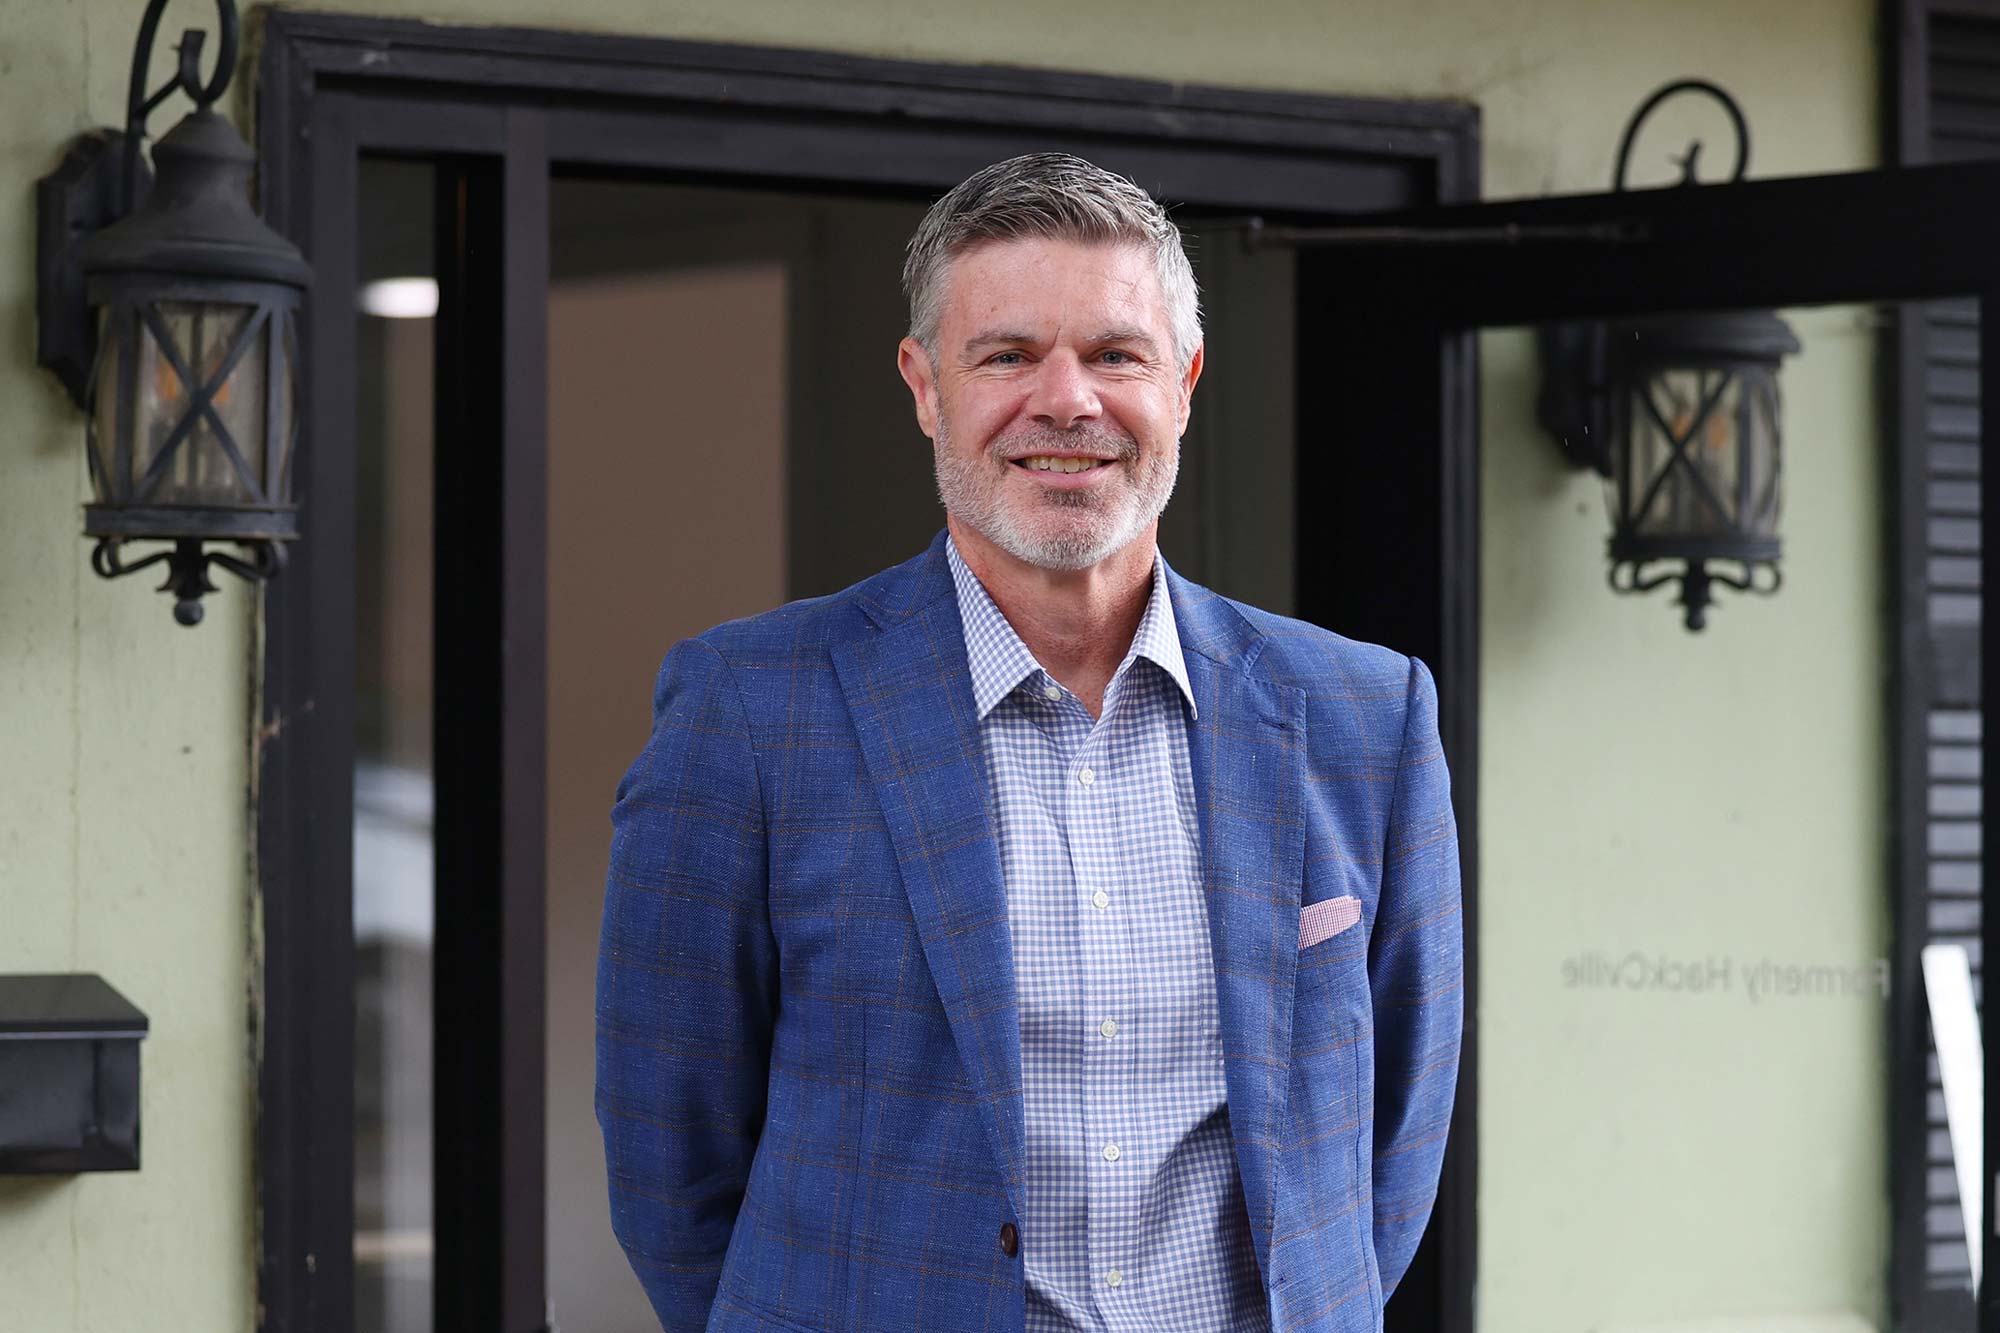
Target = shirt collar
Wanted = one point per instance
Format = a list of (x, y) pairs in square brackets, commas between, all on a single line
[(1000, 661)]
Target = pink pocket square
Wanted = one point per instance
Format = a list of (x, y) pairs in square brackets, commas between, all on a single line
[(1323, 920)]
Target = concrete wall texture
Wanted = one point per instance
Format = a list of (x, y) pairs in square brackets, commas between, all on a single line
[(1651, 1159)]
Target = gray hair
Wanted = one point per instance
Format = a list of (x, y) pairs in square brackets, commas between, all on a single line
[(1053, 196)]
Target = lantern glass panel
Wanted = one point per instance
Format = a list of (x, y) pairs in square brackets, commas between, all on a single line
[(1700, 453), (283, 428), (1762, 450), (196, 465), (106, 477)]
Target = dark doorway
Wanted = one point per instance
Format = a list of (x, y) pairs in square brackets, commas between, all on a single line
[(740, 201), (726, 426)]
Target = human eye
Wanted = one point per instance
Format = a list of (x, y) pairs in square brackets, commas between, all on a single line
[(1005, 359)]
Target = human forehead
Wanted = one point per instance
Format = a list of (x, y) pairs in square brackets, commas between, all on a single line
[(1052, 281)]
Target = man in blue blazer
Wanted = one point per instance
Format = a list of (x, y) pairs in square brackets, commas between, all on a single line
[(1027, 938)]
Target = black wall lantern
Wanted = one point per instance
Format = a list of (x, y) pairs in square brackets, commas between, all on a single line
[(1680, 414), (171, 313)]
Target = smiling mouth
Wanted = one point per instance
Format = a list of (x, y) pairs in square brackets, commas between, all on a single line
[(1052, 463)]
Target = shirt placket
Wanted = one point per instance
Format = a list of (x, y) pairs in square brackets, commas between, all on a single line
[(1103, 910)]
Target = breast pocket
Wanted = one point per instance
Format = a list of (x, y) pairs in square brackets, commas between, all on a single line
[(1331, 940), (1321, 921)]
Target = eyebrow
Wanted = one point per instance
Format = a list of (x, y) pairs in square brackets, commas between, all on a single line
[(1133, 337), (998, 338)]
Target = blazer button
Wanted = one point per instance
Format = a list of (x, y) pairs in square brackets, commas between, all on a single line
[(1010, 1240)]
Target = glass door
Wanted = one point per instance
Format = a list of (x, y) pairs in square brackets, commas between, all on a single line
[(395, 795)]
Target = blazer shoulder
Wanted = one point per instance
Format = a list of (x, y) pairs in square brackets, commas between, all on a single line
[(777, 635), (1360, 698), (1321, 662)]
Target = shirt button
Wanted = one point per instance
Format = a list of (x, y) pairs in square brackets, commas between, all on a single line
[(1100, 899), (1010, 1240), (1111, 1153), (1108, 1027), (1052, 691), (1115, 1278), (1087, 776)]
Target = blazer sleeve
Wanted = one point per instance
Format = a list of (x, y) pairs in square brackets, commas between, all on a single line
[(686, 987), (1416, 976)]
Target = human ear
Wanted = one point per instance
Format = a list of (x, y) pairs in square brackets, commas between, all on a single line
[(914, 364), (1192, 374)]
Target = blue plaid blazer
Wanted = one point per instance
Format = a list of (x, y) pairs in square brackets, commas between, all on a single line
[(808, 1046)]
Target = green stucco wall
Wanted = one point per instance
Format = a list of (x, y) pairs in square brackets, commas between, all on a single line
[(123, 789), (1718, 804), (1650, 1160)]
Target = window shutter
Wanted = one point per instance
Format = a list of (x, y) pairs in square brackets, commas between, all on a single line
[(1960, 104)]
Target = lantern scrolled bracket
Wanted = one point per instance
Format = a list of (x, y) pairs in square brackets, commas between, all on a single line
[(171, 313), (187, 78), (1689, 161), (187, 569), (1697, 579)]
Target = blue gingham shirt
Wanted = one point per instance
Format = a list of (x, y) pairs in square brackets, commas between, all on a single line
[(1135, 1218)]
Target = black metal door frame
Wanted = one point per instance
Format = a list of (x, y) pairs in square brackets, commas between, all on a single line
[(491, 378), (495, 108), (1895, 235)]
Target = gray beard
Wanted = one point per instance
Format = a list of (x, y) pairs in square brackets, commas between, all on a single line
[(970, 493)]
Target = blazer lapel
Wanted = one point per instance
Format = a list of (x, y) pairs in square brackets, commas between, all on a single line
[(910, 694), (1248, 755)]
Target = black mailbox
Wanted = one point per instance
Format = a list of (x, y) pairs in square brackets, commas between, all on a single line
[(69, 1075)]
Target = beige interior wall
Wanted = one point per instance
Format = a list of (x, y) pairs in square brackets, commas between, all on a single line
[(850, 271), (666, 516)]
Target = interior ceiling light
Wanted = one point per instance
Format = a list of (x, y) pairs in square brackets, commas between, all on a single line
[(400, 298)]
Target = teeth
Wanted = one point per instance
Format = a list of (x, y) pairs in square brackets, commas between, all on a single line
[(1044, 463)]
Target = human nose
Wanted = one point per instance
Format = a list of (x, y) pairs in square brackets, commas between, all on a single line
[(1063, 393)]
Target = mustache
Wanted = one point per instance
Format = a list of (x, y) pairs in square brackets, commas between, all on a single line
[(1093, 437)]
